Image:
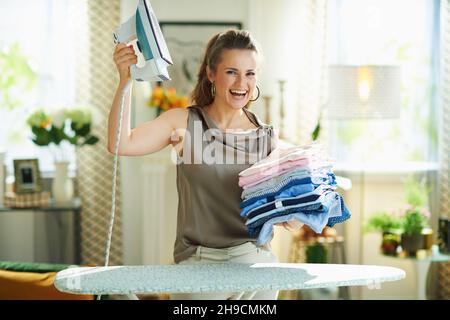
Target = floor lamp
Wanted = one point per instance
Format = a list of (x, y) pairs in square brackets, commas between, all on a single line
[(363, 92)]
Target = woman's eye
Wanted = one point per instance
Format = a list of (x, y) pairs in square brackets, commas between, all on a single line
[(251, 74), (231, 72)]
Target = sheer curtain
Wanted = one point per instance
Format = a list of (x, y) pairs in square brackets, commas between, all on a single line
[(69, 44), (311, 76), (46, 40), (294, 34)]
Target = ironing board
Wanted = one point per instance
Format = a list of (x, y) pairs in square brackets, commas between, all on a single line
[(226, 277)]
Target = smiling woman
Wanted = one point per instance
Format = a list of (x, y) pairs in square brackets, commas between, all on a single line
[(209, 227), (231, 62)]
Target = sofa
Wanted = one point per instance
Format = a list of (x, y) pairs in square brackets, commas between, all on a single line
[(32, 281)]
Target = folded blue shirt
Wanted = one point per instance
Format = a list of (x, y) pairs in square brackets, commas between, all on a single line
[(328, 202), (293, 190), (307, 183), (316, 221), (314, 209), (286, 201)]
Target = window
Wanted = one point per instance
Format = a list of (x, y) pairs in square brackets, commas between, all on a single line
[(386, 32), (44, 31)]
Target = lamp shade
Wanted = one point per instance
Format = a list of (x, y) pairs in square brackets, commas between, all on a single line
[(363, 92)]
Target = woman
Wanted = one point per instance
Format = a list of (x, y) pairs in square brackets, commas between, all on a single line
[(215, 139)]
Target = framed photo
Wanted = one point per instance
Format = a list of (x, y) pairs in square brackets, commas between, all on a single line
[(27, 176), (187, 44)]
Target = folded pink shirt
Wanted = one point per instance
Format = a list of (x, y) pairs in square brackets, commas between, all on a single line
[(248, 182), (280, 155), (309, 157), (273, 171)]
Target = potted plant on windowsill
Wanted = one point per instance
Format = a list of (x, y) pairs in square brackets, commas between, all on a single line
[(390, 227), (414, 225), (416, 232)]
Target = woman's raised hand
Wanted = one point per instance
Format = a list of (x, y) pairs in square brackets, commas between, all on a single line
[(124, 57)]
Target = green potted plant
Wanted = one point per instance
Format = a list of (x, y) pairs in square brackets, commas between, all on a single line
[(316, 253), (416, 232), (414, 223), (390, 227)]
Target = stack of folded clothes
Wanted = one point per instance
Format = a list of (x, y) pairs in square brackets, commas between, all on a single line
[(296, 183)]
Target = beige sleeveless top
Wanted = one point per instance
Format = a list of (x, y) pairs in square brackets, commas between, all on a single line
[(207, 182)]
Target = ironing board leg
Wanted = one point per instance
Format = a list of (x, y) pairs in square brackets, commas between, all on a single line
[(239, 296), (243, 296), (251, 295), (132, 296)]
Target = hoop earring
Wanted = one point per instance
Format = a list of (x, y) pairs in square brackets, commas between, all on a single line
[(256, 96), (213, 90)]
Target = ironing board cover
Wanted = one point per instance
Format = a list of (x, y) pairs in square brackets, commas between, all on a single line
[(219, 277)]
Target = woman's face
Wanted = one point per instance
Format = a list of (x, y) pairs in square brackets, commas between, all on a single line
[(235, 77)]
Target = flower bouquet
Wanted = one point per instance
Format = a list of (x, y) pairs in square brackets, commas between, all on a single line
[(164, 99)]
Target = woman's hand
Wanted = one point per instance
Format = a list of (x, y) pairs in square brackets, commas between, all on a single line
[(124, 57), (291, 225)]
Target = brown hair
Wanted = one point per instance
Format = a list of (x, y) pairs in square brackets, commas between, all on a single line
[(231, 39)]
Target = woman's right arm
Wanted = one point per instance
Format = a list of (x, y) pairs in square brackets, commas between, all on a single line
[(149, 137)]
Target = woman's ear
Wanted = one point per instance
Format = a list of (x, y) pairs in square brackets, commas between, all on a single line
[(209, 74)]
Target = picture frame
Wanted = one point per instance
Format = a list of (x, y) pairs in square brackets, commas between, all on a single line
[(187, 43), (27, 176)]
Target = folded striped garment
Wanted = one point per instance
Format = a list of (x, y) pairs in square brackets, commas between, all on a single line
[(291, 184), (316, 176)]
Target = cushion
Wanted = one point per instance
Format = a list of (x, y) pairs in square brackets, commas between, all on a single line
[(20, 285), (32, 266)]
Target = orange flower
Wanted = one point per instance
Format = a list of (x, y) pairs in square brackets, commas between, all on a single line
[(45, 124), (158, 93), (166, 99), (184, 102), (165, 105)]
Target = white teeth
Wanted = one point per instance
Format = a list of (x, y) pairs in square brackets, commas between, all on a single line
[(238, 91)]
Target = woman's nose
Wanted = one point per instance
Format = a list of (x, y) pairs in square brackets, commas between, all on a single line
[(240, 81)]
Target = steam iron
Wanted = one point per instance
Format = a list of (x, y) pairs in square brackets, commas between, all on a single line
[(150, 41)]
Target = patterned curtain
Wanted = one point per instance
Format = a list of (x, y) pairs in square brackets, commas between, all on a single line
[(96, 82), (445, 109), (444, 172)]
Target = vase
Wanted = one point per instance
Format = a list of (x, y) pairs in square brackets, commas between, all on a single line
[(411, 243), (427, 234), (62, 185)]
